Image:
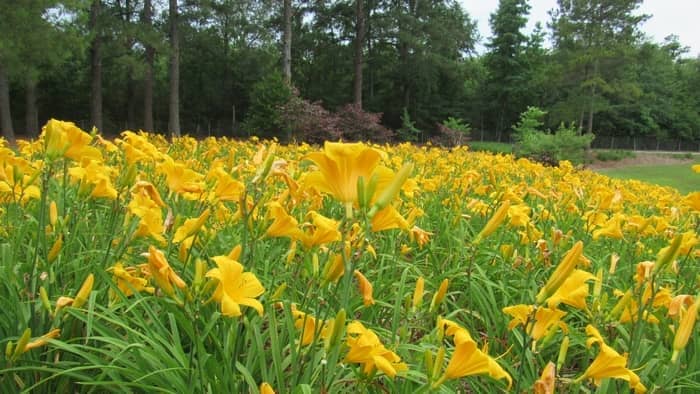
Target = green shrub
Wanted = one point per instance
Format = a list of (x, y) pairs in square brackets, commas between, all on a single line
[(491, 146), (453, 132), (613, 155), (408, 130), (547, 147), (530, 121), (266, 98)]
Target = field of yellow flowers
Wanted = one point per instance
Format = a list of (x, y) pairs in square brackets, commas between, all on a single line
[(224, 266)]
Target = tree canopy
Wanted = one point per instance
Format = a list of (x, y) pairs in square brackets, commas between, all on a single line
[(233, 68)]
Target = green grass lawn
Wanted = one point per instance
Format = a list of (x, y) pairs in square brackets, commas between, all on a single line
[(490, 146), (679, 176)]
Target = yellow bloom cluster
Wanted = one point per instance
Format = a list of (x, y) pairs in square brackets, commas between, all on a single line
[(499, 244)]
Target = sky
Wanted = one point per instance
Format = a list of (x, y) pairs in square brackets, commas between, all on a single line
[(677, 17)]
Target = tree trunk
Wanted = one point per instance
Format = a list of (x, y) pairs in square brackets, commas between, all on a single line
[(31, 113), (148, 73), (131, 100), (96, 67), (359, 43), (287, 43), (591, 107), (5, 113), (368, 35), (174, 102)]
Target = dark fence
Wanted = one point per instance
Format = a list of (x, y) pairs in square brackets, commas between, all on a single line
[(644, 143), (609, 142), (222, 127)]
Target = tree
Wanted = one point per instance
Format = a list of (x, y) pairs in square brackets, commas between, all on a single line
[(287, 42), (35, 41), (5, 112), (174, 74), (507, 85), (431, 41), (96, 65), (147, 18), (359, 47), (592, 37)]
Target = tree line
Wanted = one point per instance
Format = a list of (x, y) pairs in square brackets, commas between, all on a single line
[(338, 68)]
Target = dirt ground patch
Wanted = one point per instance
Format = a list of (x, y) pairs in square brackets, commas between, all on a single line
[(643, 159)]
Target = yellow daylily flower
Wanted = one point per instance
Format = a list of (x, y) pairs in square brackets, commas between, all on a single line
[(129, 280), (283, 224), (84, 292), (42, 340), (339, 167), (180, 178), (227, 188), (147, 189), (322, 231), (562, 272), (546, 383), (311, 328), (235, 287), (692, 200), (544, 319), (519, 215), (334, 268), (161, 271), (420, 236), (520, 313), (366, 349), (458, 333), (365, 288), (468, 360), (191, 226), (150, 215), (68, 140), (611, 229), (609, 363), (387, 219), (573, 291)]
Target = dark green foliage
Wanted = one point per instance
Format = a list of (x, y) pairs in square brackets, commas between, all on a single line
[(546, 147), (492, 147), (507, 88), (266, 99), (452, 132), (408, 130), (613, 155), (418, 56)]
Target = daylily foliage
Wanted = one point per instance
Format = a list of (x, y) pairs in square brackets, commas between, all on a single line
[(236, 266)]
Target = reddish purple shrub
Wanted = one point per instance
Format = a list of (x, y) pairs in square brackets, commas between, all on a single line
[(359, 125), (308, 121)]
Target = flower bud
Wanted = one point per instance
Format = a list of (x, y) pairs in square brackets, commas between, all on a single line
[(685, 328), (668, 254), (45, 299), (22, 343), (439, 296), (498, 217), (562, 272), (84, 292), (55, 249), (392, 189), (418, 293)]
